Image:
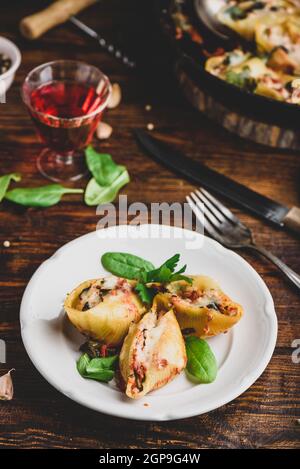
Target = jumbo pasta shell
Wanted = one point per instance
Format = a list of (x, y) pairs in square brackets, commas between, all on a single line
[(109, 320), (245, 26), (203, 309), (153, 353)]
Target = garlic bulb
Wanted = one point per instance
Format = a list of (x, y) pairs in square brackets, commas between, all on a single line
[(6, 387), (103, 131), (115, 97)]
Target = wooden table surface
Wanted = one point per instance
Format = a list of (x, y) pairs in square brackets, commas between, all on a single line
[(39, 416)]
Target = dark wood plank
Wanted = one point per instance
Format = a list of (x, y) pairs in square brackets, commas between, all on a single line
[(264, 416)]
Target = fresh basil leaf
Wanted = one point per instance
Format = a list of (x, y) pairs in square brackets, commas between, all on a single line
[(95, 194), (82, 363), (146, 293), (125, 265), (43, 196), (5, 182), (201, 362), (102, 167)]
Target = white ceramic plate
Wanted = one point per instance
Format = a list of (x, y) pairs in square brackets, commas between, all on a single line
[(52, 343)]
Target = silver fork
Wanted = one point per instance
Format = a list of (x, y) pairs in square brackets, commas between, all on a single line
[(226, 228)]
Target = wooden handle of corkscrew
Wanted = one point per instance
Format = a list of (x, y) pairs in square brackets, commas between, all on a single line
[(58, 12)]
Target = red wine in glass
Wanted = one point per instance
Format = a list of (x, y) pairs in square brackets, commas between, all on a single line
[(66, 100)]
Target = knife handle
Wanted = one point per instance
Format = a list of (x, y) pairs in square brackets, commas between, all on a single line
[(292, 219), (58, 12)]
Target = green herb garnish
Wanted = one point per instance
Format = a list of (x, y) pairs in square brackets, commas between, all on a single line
[(99, 369), (135, 268), (201, 362), (241, 79), (236, 13), (126, 265)]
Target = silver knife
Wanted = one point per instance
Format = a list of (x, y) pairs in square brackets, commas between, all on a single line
[(197, 172), (117, 53)]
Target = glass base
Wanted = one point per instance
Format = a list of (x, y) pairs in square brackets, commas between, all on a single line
[(61, 168)]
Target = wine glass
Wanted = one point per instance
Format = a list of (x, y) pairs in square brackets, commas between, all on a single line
[(65, 100)]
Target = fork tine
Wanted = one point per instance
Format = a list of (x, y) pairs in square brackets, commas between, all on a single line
[(218, 214), (199, 214), (208, 214), (226, 212)]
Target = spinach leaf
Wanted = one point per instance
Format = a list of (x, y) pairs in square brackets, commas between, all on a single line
[(241, 79), (82, 363), (126, 265), (43, 196), (5, 181), (104, 170), (103, 363), (201, 362), (99, 369), (95, 194), (135, 268)]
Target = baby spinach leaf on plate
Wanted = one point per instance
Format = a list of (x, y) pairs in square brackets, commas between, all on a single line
[(82, 363), (43, 196), (104, 170), (201, 362), (96, 194), (103, 363), (126, 265), (5, 182), (99, 369)]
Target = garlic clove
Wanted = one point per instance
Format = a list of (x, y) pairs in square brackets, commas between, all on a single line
[(103, 131), (6, 387), (115, 97)]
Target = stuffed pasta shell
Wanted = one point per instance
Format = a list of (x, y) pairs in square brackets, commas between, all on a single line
[(104, 308), (153, 352), (251, 74), (280, 37), (243, 16), (202, 308)]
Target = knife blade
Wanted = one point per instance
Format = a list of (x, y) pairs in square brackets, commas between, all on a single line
[(197, 172)]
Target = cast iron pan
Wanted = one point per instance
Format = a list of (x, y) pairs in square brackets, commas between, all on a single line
[(190, 57)]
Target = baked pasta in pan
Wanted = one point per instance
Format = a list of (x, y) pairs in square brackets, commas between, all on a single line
[(244, 16), (252, 74), (202, 308), (280, 38), (153, 352), (271, 69), (104, 308)]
